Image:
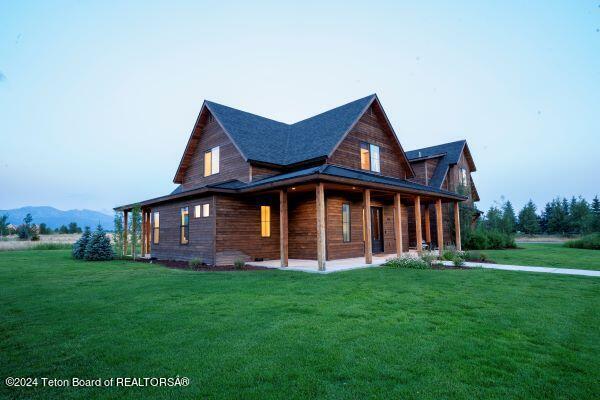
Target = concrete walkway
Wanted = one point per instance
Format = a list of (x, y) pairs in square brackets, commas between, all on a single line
[(549, 270), (345, 264)]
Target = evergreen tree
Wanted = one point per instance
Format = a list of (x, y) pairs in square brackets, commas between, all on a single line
[(493, 219), (528, 220), (4, 225), (80, 245), (595, 226), (73, 227), (580, 216), (98, 247), (63, 229), (44, 230), (558, 215), (509, 220)]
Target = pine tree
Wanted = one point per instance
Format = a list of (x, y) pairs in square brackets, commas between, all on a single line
[(580, 216), (595, 214), (99, 247), (528, 220), (509, 220), (80, 245), (493, 218)]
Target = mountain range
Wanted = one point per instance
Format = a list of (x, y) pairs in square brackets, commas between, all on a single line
[(54, 218)]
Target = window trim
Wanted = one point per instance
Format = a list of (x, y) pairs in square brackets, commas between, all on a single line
[(367, 148), (349, 223), (265, 221), (212, 157), (156, 228), (184, 227)]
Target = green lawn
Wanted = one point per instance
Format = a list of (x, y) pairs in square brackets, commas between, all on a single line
[(547, 255), (376, 333)]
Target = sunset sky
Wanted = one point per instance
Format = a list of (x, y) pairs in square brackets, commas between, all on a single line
[(97, 100)]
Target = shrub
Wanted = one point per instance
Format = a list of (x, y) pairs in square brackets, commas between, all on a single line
[(239, 263), (80, 245), (429, 257), (476, 256), (407, 262), (448, 255), (458, 261), (195, 263), (481, 239), (98, 247), (591, 242)]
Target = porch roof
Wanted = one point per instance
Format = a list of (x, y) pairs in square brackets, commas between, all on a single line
[(325, 172)]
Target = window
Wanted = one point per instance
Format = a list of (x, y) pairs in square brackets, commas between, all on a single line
[(156, 228), (206, 210), (265, 221), (211, 161), (463, 177), (369, 157), (185, 226), (197, 211), (346, 222), (365, 158)]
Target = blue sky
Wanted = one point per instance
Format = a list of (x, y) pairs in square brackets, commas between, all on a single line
[(97, 100)]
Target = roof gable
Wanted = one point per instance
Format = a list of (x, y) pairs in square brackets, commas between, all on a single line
[(268, 141), (449, 154)]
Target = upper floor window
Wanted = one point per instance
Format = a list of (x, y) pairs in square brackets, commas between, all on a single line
[(265, 221), (184, 236), (462, 177), (211, 161), (369, 157), (156, 228), (346, 222)]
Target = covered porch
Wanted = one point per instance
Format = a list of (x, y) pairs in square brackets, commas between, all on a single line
[(358, 226)]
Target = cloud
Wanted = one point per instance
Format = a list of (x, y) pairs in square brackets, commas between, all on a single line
[(2, 77)]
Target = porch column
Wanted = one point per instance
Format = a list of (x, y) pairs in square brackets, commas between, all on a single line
[(148, 230), (398, 224), (320, 204), (368, 237), (427, 225), (457, 226), (125, 232), (419, 233), (440, 229), (283, 227), (143, 235)]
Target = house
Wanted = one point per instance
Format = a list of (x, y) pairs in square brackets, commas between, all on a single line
[(446, 166), (252, 188)]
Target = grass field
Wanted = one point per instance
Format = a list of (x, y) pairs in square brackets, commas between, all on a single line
[(375, 333), (547, 255)]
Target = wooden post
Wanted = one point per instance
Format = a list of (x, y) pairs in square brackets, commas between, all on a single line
[(283, 227), (427, 225), (440, 228), (320, 204), (143, 235), (457, 226), (148, 232), (398, 224), (418, 231), (125, 232), (368, 237)]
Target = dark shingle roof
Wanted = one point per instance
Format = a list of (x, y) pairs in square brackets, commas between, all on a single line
[(449, 154), (266, 140)]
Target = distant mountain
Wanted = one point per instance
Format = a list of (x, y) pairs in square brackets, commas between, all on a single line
[(55, 218)]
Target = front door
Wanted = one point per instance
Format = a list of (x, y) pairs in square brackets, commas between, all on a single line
[(377, 229)]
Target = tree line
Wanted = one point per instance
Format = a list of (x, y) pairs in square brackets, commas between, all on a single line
[(559, 216), (30, 231)]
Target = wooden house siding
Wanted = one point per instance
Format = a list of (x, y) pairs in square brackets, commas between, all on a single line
[(238, 233), (231, 166), (371, 128), (259, 172), (302, 226), (424, 170), (201, 232)]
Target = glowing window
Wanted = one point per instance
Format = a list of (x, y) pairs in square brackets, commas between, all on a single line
[(265, 221)]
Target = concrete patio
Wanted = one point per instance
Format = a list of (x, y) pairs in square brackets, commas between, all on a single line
[(344, 264)]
